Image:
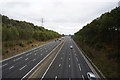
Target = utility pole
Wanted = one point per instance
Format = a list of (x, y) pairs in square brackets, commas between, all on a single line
[(42, 21), (119, 5)]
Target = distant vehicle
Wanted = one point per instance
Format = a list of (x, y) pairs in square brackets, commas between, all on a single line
[(91, 76), (62, 37), (59, 39), (71, 47)]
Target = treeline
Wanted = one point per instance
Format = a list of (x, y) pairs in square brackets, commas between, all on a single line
[(100, 40), (105, 29), (13, 30)]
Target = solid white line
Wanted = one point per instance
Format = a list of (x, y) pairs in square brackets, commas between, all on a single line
[(83, 77), (39, 62), (11, 67), (24, 52), (26, 59), (88, 63), (51, 62), (23, 67), (79, 67)]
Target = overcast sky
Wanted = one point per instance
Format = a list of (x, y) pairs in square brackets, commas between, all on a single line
[(63, 16)]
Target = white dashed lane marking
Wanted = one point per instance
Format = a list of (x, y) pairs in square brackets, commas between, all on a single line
[(26, 59), (69, 58), (83, 77), (11, 67), (79, 67), (59, 65), (55, 77), (77, 59), (27, 54), (4, 64), (23, 67), (75, 54), (17, 59), (34, 59), (69, 66)]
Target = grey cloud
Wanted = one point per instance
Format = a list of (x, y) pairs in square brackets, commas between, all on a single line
[(15, 4), (64, 16)]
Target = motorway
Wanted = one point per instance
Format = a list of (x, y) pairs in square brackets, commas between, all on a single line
[(20, 65), (68, 63)]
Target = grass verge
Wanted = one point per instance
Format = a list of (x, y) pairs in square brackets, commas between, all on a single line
[(12, 48), (109, 67)]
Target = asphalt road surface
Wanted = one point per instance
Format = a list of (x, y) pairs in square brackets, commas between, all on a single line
[(69, 63), (18, 66)]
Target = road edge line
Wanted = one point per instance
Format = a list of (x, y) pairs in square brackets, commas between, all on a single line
[(39, 63), (23, 53), (89, 64), (52, 62)]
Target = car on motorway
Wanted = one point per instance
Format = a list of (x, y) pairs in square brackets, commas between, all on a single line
[(71, 47), (62, 37), (59, 39), (91, 76)]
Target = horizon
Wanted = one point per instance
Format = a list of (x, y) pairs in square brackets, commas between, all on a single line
[(60, 16)]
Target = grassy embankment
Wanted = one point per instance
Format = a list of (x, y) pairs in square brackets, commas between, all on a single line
[(109, 67), (12, 48), (19, 36)]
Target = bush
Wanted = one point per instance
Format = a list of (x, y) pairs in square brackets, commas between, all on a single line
[(29, 42), (6, 45), (115, 55), (9, 44), (98, 46), (7, 51), (21, 44)]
